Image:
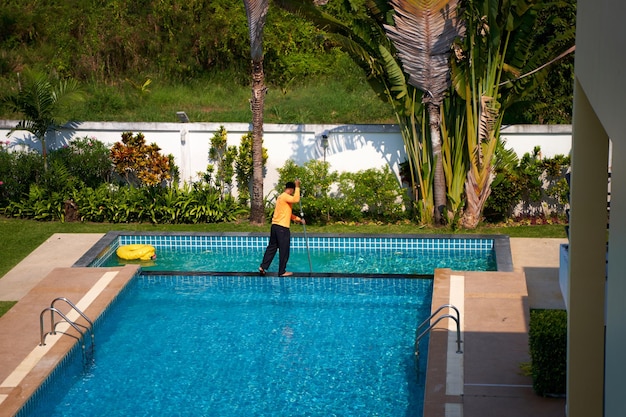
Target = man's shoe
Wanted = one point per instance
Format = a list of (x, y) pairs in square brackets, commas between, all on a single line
[(261, 271), (286, 274)]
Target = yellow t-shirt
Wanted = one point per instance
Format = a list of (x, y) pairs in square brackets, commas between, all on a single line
[(283, 211)]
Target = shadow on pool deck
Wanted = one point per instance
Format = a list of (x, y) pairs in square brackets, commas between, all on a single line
[(487, 380)]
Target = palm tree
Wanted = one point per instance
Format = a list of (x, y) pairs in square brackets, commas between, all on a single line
[(41, 102), (423, 34), (365, 41), (256, 11)]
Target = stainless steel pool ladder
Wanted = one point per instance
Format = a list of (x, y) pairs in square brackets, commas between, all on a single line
[(456, 318), (77, 326)]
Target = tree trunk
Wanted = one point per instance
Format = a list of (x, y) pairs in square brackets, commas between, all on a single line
[(44, 152), (439, 180), (476, 195), (257, 209)]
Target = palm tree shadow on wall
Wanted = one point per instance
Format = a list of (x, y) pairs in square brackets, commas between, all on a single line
[(348, 138)]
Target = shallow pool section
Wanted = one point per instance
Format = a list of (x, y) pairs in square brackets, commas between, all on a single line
[(251, 346), (385, 255)]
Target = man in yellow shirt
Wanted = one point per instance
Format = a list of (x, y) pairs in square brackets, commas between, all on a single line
[(280, 234)]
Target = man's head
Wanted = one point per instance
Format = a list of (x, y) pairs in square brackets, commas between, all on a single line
[(290, 187)]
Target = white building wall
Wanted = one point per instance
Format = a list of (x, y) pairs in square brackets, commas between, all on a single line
[(553, 139), (351, 148)]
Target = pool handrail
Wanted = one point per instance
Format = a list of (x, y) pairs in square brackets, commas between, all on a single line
[(457, 319)]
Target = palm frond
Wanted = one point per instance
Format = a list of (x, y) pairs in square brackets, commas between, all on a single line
[(397, 81), (256, 11), (423, 34)]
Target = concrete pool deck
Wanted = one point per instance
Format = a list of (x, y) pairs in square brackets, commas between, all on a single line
[(484, 381)]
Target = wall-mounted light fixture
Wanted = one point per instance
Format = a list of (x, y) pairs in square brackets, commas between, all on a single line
[(182, 116)]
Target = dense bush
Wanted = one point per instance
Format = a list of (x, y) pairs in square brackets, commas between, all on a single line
[(18, 170), (118, 45), (82, 174), (318, 203), (533, 187), (548, 351), (83, 162), (374, 195), (114, 204), (87, 159), (117, 40)]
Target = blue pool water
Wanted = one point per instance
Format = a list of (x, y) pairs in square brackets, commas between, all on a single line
[(251, 346), (347, 255), (234, 344)]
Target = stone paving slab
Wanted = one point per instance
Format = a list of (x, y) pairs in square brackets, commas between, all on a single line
[(25, 364), (59, 250), (495, 345), (495, 326)]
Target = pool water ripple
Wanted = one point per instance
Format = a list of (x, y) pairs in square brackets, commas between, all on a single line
[(421, 262), (252, 346)]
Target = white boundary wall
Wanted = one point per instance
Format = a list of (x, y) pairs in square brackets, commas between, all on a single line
[(351, 148)]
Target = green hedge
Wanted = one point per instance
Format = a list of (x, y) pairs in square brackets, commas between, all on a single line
[(548, 351)]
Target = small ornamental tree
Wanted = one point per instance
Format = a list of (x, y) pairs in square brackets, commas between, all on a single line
[(41, 102), (140, 164), (243, 167), (222, 156)]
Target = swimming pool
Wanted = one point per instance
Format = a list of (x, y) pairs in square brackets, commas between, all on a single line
[(303, 326), (228, 253), (258, 346)]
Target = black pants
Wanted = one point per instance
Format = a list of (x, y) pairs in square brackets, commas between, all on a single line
[(280, 239)]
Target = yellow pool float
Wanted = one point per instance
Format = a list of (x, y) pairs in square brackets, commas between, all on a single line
[(136, 251)]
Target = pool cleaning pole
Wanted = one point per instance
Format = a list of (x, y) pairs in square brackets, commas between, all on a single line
[(306, 239)]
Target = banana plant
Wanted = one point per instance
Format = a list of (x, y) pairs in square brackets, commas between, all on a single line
[(409, 111), (454, 158)]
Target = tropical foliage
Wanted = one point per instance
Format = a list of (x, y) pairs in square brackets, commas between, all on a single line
[(497, 64), (201, 47), (451, 134), (423, 34), (449, 163), (549, 101), (138, 163), (41, 103), (329, 196), (531, 189)]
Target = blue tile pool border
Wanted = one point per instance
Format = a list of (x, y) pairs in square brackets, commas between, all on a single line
[(323, 241)]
